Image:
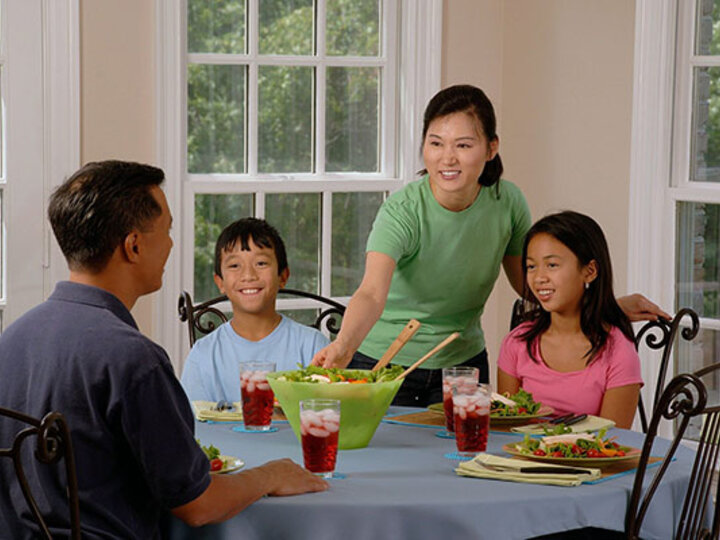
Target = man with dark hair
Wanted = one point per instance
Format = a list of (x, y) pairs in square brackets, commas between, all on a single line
[(80, 353)]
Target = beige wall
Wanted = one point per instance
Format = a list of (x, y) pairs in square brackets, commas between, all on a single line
[(560, 74), (558, 71), (118, 91)]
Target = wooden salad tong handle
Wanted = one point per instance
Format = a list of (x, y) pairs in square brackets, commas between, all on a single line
[(394, 348)]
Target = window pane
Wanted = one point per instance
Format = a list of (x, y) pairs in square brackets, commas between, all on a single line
[(353, 27), (212, 214), (286, 27), (296, 216), (708, 27), (353, 216), (705, 155), (216, 27), (690, 356), (285, 117), (216, 119), (698, 258), (352, 118)]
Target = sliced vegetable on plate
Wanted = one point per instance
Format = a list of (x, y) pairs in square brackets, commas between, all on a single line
[(573, 448), (219, 463)]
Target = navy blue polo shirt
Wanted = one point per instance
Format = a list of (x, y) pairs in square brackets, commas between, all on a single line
[(80, 353)]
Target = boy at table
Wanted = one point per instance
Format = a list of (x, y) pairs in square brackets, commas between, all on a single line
[(80, 353), (250, 268)]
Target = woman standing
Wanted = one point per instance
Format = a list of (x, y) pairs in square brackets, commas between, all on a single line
[(435, 252)]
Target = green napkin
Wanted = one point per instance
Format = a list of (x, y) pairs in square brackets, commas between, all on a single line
[(500, 468), (590, 424), (205, 411)]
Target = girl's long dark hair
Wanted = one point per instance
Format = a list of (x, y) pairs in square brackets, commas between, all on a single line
[(584, 237)]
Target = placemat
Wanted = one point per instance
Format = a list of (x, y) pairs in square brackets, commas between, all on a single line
[(616, 470), (433, 419)]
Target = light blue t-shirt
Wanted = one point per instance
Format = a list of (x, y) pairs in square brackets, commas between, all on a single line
[(211, 370)]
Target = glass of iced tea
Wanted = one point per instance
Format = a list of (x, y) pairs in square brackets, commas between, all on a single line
[(257, 396), (319, 429), (471, 412), (456, 377)]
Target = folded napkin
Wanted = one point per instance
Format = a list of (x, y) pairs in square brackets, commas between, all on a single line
[(591, 423), (205, 411), (500, 468)]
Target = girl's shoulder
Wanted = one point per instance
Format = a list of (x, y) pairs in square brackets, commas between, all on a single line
[(618, 345), (515, 335)]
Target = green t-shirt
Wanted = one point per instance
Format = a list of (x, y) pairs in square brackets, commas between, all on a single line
[(447, 264)]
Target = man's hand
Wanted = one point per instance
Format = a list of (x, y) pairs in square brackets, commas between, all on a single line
[(287, 478), (639, 308), (334, 355)]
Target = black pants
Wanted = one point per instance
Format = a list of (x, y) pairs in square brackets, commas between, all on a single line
[(423, 386)]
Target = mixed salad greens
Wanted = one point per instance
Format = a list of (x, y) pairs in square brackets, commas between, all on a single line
[(523, 405), (316, 374), (213, 455), (580, 445)]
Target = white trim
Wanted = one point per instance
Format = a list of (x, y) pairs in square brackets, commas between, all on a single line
[(61, 31), (649, 247), (418, 41)]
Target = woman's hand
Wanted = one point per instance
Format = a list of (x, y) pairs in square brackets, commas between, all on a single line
[(335, 355), (639, 308)]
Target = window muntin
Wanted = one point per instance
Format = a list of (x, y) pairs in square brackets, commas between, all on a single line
[(291, 110)]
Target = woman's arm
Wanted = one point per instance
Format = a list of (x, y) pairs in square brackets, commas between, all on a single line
[(619, 405), (363, 311), (512, 264), (507, 383), (639, 308)]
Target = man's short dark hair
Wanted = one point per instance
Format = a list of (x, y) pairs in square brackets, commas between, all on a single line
[(261, 232), (93, 211)]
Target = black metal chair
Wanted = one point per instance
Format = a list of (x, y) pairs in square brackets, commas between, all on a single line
[(657, 335), (203, 318), (684, 398), (52, 443)]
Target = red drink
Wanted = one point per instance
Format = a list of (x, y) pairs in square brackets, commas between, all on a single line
[(471, 414), (257, 399), (465, 379), (319, 431)]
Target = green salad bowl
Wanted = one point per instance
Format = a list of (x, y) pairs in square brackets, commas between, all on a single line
[(362, 406)]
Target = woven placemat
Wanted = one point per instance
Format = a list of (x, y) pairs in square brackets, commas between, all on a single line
[(433, 419)]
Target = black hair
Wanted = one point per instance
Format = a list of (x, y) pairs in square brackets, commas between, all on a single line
[(584, 237), (93, 211), (469, 99), (262, 233)]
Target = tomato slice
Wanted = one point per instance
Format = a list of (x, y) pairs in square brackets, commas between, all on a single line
[(216, 464)]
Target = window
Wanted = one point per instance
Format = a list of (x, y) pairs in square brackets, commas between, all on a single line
[(675, 191), (295, 111)]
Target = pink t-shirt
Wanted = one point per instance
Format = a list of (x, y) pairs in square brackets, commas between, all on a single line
[(617, 364)]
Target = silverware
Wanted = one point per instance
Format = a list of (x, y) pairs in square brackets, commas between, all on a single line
[(575, 419), (223, 405), (536, 470), (561, 419)]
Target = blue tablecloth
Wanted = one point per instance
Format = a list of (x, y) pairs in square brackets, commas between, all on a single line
[(402, 487)]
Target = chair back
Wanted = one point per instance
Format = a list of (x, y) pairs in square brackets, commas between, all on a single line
[(684, 398), (660, 335), (203, 318), (52, 443)]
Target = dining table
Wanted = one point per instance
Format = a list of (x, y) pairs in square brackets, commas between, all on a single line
[(403, 485)]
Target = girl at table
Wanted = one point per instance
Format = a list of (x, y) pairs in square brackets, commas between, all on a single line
[(575, 352), (435, 252)]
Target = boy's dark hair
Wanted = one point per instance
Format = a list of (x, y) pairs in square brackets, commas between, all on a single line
[(584, 237), (93, 211), (469, 99), (261, 232)]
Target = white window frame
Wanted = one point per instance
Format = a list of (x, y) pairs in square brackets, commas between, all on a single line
[(42, 143), (420, 45), (659, 162)]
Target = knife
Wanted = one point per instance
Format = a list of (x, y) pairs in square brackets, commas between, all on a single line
[(575, 419), (537, 470)]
